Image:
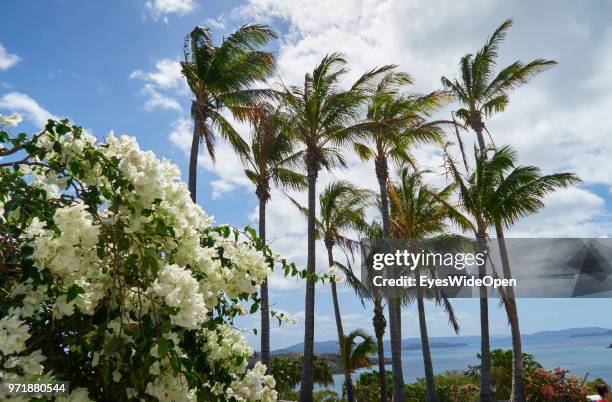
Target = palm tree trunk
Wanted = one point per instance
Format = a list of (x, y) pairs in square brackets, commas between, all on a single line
[(348, 382), (193, 159), (518, 380), (306, 386), (395, 323), (380, 323), (478, 127), (430, 381), (330, 259), (486, 394), (265, 304)]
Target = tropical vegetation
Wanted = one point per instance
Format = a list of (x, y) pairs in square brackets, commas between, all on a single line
[(114, 278)]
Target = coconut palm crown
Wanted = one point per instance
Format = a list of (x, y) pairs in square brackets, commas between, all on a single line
[(222, 78)]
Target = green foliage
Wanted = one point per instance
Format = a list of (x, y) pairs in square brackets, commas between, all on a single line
[(326, 395), (483, 93), (451, 387), (222, 77), (367, 386), (354, 354), (501, 371), (288, 371)]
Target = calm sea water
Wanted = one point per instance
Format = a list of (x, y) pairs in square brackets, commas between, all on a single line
[(579, 355)]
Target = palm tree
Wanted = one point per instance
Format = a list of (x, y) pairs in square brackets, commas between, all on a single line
[(342, 208), (518, 193), (417, 214), (355, 356), (496, 194), (402, 123), (472, 191), (371, 232), (322, 117), (268, 161), (221, 77), (482, 94)]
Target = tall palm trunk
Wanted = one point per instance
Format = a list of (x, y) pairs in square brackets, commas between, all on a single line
[(486, 394), (518, 380), (330, 259), (348, 382), (380, 323), (478, 127), (395, 323), (193, 158), (430, 382), (485, 346), (518, 383), (306, 386), (265, 304)]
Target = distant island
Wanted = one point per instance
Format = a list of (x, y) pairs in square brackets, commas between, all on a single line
[(331, 346), (601, 333)]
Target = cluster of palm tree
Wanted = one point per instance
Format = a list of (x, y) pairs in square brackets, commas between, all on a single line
[(299, 130)]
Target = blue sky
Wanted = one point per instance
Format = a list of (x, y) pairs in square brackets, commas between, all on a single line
[(113, 65)]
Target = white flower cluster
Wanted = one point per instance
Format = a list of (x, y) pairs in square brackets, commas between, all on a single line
[(11, 120), (254, 386), (70, 256), (226, 346), (75, 250), (283, 317), (249, 271), (13, 335), (180, 289), (333, 274)]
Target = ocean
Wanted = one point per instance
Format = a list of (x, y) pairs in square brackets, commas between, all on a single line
[(581, 356)]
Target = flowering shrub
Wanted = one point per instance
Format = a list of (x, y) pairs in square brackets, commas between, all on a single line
[(556, 385), (114, 280)]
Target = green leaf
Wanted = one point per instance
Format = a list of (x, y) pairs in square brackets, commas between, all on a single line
[(73, 292)]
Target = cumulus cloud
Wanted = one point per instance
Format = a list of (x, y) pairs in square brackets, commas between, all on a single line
[(181, 134), (157, 100), (7, 60), (217, 23), (167, 74), (27, 107), (162, 86), (163, 8), (560, 121)]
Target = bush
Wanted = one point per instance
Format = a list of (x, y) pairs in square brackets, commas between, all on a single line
[(501, 371), (288, 373), (367, 386), (554, 386), (117, 281), (326, 395), (452, 386)]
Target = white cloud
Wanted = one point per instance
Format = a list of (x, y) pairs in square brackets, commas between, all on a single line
[(182, 134), (228, 168), (167, 74), (571, 212), (162, 86), (7, 60), (218, 23), (157, 100), (162, 8), (26, 106)]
